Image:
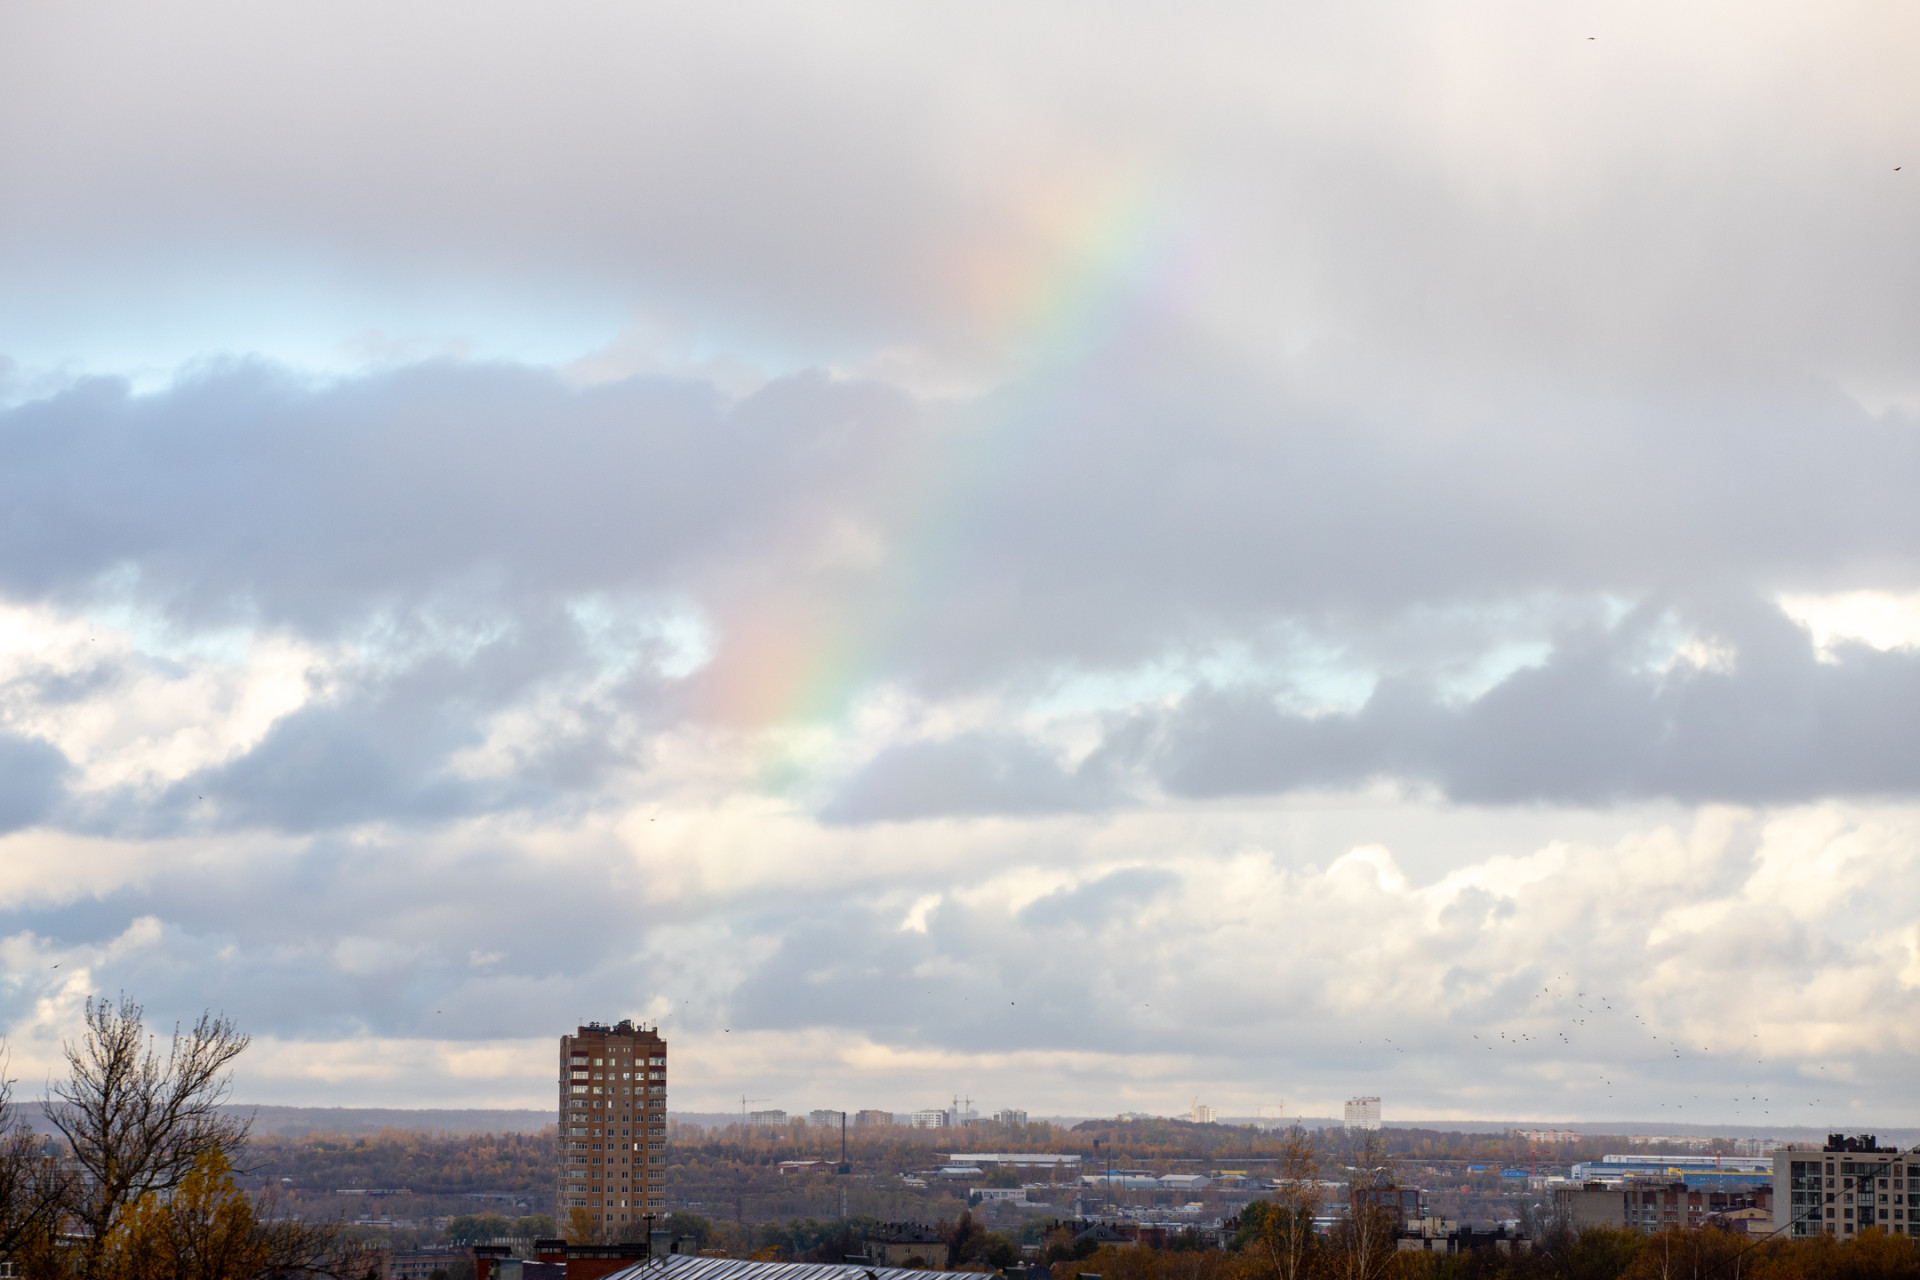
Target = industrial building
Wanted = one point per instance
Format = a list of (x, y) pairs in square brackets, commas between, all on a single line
[(1699, 1172), (1015, 1159)]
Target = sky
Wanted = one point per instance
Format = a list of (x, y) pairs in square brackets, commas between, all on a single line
[(1089, 557)]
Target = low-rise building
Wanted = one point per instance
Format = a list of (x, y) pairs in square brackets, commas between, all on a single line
[(1439, 1235), (900, 1244), (1846, 1185), (1402, 1204), (1649, 1207)]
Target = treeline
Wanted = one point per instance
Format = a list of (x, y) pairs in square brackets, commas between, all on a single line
[(1147, 1141), (1157, 1139), (1596, 1253), (521, 1163)]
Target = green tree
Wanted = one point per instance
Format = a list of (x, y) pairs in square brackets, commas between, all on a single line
[(684, 1224)]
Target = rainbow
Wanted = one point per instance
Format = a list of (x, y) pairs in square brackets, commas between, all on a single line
[(1084, 289)]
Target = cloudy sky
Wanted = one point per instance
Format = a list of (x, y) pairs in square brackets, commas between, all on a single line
[(1087, 555)]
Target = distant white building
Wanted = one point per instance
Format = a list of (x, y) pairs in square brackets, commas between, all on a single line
[(1010, 1116), (826, 1119), (766, 1119), (1547, 1135), (930, 1118), (1363, 1113), (1199, 1114)]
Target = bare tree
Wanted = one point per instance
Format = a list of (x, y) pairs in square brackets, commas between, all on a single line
[(1366, 1235), (34, 1184), (136, 1122), (1287, 1237)]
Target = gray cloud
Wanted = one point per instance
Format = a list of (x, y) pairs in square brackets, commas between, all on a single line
[(973, 774), (1591, 725), (463, 509), (246, 494), (32, 773)]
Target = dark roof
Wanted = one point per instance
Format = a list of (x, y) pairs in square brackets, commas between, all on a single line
[(904, 1233), (687, 1267)]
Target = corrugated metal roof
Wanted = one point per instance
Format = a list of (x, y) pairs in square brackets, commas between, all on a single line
[(685, 1267)]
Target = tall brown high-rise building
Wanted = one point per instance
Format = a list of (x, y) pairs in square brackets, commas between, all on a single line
[(613, 1123)]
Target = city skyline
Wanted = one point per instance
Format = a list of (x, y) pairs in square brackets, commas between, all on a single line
[(1095, 557)]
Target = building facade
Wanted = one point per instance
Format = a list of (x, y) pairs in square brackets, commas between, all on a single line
[(613, 1123), (901, 1244), (1846, 1186), (1649, 1207), (868, 1117), (1363, 1113)]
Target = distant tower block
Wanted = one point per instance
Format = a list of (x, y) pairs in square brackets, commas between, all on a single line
[(1363, 1113), (1200, 1114), (613, 1124)]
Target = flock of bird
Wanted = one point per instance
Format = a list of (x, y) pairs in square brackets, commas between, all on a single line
[(1580, 1018)]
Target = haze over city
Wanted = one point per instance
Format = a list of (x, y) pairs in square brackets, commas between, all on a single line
[(1088, 557)]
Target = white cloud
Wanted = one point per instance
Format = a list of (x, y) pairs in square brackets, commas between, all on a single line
[(1880, 619)]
